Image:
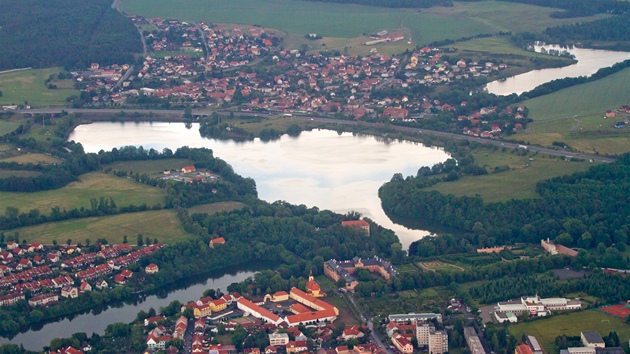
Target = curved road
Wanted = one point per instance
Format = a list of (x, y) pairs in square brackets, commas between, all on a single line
[(177, 114)]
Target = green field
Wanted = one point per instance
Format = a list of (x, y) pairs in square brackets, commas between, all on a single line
[(339, 22), (517, 183), (28, 85), (150, 166), (215, 207), (496, 45), (78, 194), (571, 324), (160, 224), (576, 116), (31, 158), (7, 127)]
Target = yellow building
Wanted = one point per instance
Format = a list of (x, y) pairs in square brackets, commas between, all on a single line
[(218, 305)]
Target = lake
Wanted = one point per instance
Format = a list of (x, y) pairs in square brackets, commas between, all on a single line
[(340, 172), (588, 62), (322, 168), (96, 321)]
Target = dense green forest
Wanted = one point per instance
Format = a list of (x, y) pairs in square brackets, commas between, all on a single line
[(607, 29), (588, 209), (69, 33)]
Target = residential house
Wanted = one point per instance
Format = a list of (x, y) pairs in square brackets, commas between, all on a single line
[(69, 292)]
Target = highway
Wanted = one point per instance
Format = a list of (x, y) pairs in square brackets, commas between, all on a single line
[(177, 114)]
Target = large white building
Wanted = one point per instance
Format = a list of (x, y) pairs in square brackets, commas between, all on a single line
[(537, 306)]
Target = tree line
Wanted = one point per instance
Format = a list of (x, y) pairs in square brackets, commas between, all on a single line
[(586, 210), (607, 29)]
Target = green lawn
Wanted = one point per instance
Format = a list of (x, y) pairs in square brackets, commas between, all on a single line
[(571, 324), (31, 158), (517, 183), (149, 167), (7, 127), (335, 21), (508, 16), (78, 194), (575, 116), (496, 45), (29, 86), (160, 224)]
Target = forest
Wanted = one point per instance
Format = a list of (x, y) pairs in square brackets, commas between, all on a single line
[(68, 33), (586, 210), (607, 29)]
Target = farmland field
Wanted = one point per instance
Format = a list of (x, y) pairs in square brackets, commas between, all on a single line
[(28, 86), (160, 224), (31, 158), (78, 194), (575, 116), (546, 330), (339, 22), (519, 182), (7, 127)]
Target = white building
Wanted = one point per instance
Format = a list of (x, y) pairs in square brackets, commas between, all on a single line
[(537, 306), (278, 339)]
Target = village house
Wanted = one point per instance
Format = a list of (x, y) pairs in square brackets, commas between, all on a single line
[(217, 241), (362, 225), (151, 268)]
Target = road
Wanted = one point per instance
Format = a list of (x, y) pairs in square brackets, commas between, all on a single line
[(367, 320), (203, 39), (321, 119)]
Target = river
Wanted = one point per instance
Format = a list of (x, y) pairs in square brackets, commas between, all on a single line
[(588, 62), (96, 321)]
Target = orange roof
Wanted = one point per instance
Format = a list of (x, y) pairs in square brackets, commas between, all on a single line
[(317, 302), (311, 316), (299, 308), (217, 240), (355, 223), (264, 312), (281, 293), (312, 285), (524, 349)]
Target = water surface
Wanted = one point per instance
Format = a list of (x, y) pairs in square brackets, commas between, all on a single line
[(588, 62)]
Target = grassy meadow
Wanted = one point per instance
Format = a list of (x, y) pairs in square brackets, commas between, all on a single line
[(78, 194), (160, 224), (28, 85), (346, 25), (519, 182), (35, 159), (7, 127), (575, 116), (546, 330)]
